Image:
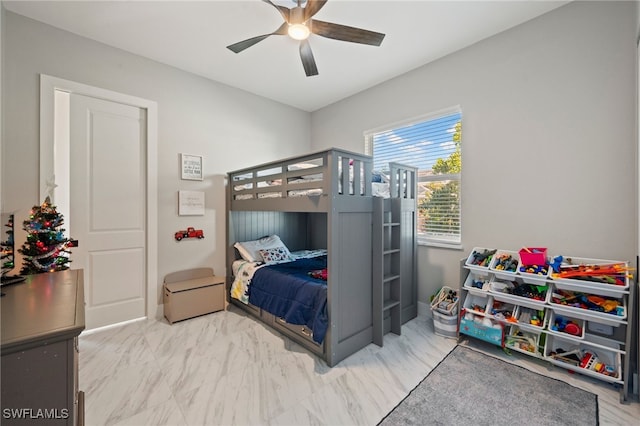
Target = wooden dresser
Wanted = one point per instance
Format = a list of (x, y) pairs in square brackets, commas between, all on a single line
[(42, 318)]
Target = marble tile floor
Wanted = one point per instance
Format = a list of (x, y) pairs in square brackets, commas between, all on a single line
[(229, 369)]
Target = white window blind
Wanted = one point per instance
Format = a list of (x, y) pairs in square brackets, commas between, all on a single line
[(433, 144)]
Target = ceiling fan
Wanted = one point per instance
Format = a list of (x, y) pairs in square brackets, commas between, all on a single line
[(298, 24)]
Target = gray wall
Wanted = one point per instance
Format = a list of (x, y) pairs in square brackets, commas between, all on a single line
[(230, 128), (549, 146), (637, 21)]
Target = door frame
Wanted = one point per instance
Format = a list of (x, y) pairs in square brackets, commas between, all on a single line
[(48, 86)]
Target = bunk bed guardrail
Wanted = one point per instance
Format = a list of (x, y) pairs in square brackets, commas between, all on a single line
[(402, 183), (317, 174)]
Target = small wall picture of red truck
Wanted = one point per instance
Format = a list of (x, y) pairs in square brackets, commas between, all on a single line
[(189, 233)]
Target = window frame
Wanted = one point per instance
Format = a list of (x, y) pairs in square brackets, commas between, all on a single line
[(422, 238)]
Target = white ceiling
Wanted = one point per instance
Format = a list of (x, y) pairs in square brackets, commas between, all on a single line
[(193, 35)]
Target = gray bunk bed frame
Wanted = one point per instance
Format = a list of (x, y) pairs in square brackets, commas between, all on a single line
[(342, 221)]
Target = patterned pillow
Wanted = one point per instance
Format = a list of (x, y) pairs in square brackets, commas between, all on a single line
[(250, 250), (275, 255)]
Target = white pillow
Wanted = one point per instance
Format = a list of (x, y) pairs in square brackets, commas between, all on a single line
[(250, 250)]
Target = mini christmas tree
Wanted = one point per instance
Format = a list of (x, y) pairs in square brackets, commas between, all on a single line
[(7, 248), (45, 249)]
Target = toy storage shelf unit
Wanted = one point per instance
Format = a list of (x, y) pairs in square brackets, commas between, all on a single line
[(577, 318)]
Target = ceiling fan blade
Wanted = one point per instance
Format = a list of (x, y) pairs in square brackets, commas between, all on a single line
[(242, 45), (308, 62), (283, 10), (345, 33), (312, 7)]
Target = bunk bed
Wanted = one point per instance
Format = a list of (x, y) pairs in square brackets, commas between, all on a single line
[(319, 209)]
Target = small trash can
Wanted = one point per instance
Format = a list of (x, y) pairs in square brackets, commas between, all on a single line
[(444, 308)]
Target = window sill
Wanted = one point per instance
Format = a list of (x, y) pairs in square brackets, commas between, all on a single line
[(440, 245)]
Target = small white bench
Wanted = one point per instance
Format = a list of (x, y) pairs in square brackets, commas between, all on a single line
[(191, 293)]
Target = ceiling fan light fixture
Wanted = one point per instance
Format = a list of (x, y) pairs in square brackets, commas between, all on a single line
[(298, 31)]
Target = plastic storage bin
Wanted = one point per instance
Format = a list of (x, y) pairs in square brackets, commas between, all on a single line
[(479, 259), (567, 302), (601, 283), (533, 274), (565, 325), (502, 311), (524, 341), (477, 303), (504, 265), (533, 255), (526, 294), (595, 356), (477, 283), (532, 319)]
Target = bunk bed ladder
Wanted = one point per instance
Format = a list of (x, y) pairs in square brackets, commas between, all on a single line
[(387, 286)]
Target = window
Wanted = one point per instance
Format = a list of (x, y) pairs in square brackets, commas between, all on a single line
[(433, 144)]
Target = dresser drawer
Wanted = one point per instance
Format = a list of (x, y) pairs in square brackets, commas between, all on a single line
[(301, 333)]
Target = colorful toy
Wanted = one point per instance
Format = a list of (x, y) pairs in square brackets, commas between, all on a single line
[(320, 274), (506, 262), (608, 273), (522, 341), (535, 321), (590, 361), (482, 259), (557, 262), (570, 357), (482, 284), (590, 302), (530, 291), (535, 269), (567, 326), (502, 311), (189, 233)]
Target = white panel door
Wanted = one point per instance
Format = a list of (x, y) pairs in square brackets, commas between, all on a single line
[(108, 207)]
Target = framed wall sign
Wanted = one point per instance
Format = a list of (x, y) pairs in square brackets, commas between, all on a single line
[(191, 166), (190, 203)]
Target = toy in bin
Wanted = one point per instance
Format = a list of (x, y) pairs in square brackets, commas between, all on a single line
[(590, 361), (542, 270), (615, 273), (482, 258), (566, 325), (589, 302), (584, 359), (521, 340), (445, 301), (506, 262)]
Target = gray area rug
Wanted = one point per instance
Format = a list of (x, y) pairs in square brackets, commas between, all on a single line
[(469, 387)]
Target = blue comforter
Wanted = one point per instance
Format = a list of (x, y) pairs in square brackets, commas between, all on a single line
[(286, 290)]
